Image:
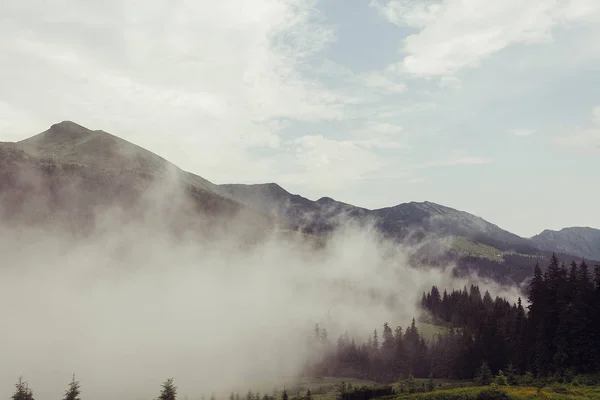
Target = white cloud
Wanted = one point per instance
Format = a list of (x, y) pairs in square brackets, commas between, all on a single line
[(215, 87), (15, 123), (380, 82), (454, 158), (456, 34), (523, 132), (583, 140), (332, 164), (199, 82), (381, 135)]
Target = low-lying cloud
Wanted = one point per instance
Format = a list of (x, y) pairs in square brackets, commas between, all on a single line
[(128, 306)]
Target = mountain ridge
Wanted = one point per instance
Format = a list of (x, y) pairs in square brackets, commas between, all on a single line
[(122, 169), (580, 240)]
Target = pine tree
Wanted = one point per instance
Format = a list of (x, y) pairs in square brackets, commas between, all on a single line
[(73, 392), (22, 392), (484, 375), (511, 374), (168, 390), (501, 379), (375, 340), (231, 396), (411, 383), (308, 395), (284, 396), (430, 384), (388, 338)]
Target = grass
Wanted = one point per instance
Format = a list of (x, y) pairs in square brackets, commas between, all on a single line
[(448, 389), (555, 392), (430, 331), (324, 388), (464, 247)]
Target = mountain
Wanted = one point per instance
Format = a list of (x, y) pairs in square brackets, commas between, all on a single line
[(412, 219), (292, 210), (582, 241), (68, 174), (453, 236)]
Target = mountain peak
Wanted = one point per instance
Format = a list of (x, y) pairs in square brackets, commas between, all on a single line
[(67, 142), (62, 134), (584, 241), (326, 200)]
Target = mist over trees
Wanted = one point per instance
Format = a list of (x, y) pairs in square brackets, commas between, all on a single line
[(556, 334)]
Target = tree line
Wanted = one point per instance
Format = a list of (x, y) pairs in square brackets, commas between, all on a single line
[(556, 335), (168, 391), (24, 392)]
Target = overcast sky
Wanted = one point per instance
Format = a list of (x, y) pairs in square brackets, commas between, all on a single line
[(492, 107)]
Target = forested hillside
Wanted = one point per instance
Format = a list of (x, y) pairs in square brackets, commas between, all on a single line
[(556, 333)]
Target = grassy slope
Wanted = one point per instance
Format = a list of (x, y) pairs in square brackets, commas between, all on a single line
[(447, 389), (430, 331), (517, 393), (465, 247)]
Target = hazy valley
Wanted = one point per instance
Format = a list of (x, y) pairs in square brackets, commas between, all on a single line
[(120, 258)]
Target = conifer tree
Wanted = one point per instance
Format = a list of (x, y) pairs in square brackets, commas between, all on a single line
[(73, 392), (168, 390), (411, 383), (375, 340), (22, 391), (484, 375), (430, 384)]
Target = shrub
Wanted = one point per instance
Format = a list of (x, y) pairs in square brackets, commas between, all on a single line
[(484, 375), (527, 379), (470, 393), (492, 394), (561, 389), (501, 379)]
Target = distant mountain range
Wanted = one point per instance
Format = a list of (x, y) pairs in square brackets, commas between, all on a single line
[(583, 241), (109, 170)]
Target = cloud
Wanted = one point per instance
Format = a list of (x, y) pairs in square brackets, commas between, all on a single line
[(127, 305), (16, 123), (452, 35), (218, 89), (522, 132), (456, 158), (330, 164), (192, 80), (582, 140), (381, 135), (376, 82)]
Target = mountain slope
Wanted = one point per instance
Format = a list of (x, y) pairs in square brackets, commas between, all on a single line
[(67, 174), (292, 210), (452, 236), (408, 219), (582, 241)]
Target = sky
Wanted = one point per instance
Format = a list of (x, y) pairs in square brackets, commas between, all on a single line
[(488, 107)]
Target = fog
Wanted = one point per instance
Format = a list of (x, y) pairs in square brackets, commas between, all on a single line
[(129, 306)]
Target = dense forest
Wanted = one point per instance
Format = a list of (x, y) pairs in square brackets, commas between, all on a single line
[(557, 334)]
